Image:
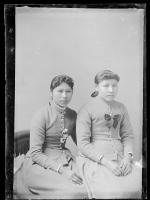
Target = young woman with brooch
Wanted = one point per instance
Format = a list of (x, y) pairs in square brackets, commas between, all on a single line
[(49, 170)]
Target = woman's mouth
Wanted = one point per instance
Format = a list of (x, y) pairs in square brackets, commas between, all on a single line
[(63, 101), (110, 95)]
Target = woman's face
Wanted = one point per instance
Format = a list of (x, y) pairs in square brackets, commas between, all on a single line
[(62, 94), (108, 89)]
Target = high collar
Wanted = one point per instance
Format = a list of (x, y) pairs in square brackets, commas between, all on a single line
[(56, 107)]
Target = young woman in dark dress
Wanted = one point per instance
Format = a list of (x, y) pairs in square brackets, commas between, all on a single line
[(49, 170)]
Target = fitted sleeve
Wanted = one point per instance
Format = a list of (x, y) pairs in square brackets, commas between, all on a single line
[(83, 131), (126, 132), (37, 138)]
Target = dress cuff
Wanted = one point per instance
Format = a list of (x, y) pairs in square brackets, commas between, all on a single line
[(131, 156), (129, 153), (101, 157), (58, 168)]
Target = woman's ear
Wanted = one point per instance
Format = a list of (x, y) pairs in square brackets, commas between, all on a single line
[(96, 89), (51, 95)]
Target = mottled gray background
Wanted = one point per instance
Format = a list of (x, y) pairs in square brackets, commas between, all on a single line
[(78, 42)]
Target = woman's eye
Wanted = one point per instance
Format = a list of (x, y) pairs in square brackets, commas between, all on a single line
[(69, 91), (60, 91), (110, 85)]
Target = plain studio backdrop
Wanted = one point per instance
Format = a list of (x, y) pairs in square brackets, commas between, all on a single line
[(78, 42)]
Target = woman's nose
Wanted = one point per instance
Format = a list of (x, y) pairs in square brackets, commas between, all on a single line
[(64, 94), (110, 88)]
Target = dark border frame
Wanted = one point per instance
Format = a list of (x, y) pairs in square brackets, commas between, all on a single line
[(9, 17), (9, 26)]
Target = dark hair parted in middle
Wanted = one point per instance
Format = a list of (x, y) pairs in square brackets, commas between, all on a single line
[(57, 80)]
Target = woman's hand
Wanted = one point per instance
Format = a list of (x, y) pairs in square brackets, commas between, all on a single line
[(71, 175), (126, 165), (113, 166)]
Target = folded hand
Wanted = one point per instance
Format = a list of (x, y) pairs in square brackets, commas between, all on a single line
[(73, 176), (114, 167), (126, 166)]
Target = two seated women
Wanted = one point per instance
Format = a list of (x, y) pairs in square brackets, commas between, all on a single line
[(103, 166)]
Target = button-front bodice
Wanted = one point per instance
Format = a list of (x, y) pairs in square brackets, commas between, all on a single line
[(49, 130), (63, 120)]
